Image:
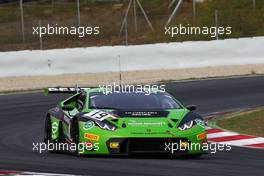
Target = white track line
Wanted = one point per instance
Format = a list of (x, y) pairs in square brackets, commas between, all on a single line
[(41, 174), (244, 142), (221, 134)]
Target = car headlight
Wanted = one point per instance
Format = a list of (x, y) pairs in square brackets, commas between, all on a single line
[(188, 125)]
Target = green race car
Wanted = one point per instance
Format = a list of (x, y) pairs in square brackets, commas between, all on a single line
[(120, 123)]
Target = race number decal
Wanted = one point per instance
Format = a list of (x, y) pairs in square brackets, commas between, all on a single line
[(99, 115)]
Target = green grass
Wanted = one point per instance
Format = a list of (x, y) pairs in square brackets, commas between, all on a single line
[(247, 123)]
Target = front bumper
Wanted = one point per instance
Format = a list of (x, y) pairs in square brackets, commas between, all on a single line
[(129, 146), (123, 142)]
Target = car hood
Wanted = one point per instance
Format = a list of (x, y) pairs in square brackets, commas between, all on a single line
[(158, 121)]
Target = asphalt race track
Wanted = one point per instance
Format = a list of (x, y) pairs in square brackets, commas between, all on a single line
[(22, 122)]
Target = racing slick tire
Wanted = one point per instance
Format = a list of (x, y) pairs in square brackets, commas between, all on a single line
[(48, 135), (76, 136)]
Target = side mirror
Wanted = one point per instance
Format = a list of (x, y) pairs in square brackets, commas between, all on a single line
[(191, 107), (67, 108)]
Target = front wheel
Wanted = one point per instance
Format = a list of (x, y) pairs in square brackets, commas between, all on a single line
[(51, 143), (76, 136), (47, 130)]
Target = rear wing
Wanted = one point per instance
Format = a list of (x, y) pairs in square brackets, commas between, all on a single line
[(55, 90)]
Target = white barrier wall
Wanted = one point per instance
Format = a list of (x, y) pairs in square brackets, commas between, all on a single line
[(139, 57)]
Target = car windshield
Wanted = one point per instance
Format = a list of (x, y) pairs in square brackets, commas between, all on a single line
[(138, 101)]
